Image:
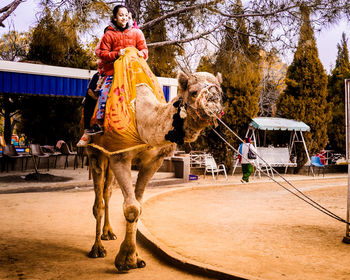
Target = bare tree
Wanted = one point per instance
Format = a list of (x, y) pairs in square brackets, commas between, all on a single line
[(270, 23), (272, 83), (210, 17)]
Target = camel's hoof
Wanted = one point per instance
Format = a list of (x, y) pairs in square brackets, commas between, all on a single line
[(139, 264), (125, 267), (128, 261), (97, 252), (109, 236), (121, 268)]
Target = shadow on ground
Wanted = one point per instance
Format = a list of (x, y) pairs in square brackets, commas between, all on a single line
[(34, 177)]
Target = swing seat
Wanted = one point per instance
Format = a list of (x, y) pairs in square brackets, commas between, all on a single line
[(273, 157)]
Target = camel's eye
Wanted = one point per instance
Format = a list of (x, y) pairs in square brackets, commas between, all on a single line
[(193, 93)]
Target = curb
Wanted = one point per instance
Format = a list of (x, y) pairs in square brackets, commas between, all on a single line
[(167, 254)]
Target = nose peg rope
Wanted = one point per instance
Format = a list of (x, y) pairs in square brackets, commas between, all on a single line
[(299, 193)]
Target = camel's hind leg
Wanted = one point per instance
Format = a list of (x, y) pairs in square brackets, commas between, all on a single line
[(107, 193), (99, 164)]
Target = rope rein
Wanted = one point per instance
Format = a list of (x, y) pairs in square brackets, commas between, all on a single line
[(298, 193)]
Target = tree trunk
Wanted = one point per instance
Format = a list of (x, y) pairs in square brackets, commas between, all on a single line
[(7, 120)]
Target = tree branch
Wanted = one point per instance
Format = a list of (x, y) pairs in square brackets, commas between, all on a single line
[(258, 14), (174, 42), (151, 23), (8, 10), (15, 113)]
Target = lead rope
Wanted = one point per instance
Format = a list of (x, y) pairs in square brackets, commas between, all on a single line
[(301, 195)]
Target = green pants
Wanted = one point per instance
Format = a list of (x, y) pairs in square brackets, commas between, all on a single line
[(247, 170)]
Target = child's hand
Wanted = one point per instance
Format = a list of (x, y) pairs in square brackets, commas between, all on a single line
[(140, 54), (93, 94), (121, 52)]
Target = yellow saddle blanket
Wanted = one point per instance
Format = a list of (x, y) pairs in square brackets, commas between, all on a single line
[(120, 122)]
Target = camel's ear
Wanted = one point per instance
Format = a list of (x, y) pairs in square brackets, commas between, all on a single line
[(219, 77), (182, 78)]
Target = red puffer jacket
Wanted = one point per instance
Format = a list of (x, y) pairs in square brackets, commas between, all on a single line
[(115, 40)]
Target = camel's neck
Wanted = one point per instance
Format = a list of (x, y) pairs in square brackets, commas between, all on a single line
[(160, 123), (193, 126)]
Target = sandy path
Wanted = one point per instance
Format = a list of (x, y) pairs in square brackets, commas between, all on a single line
[(256, 229), (48, 235)]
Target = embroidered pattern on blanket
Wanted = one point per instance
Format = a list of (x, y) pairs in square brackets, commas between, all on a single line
[(129, 71)]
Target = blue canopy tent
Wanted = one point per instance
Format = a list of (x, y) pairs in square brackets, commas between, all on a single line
[(29, 78), (37, 79)]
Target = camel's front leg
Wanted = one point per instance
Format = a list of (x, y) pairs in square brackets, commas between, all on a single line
[(99, 163), (127, 258), (147, 170)]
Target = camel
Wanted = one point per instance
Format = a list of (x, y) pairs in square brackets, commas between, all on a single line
[(161, 126)]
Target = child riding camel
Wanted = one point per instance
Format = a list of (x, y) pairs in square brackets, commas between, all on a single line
[(117, 37)]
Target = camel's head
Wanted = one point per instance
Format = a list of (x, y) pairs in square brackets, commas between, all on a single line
[(202, 95)]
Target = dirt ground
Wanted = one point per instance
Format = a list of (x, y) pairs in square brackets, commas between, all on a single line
[(255, 229), (48, 235)]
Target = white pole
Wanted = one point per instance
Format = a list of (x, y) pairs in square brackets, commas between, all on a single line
[(346, 239)]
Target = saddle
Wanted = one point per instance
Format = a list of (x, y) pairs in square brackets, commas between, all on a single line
[(120, 125)]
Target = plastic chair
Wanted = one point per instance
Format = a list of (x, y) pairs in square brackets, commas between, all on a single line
[(211, 166), (9, 152), (316, 162), (51, 151), (37, 153), (65, 151)]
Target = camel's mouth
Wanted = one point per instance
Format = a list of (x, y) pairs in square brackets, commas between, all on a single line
[(208, 102)]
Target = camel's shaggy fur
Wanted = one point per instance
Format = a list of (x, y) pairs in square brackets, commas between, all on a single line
[(154, 121)]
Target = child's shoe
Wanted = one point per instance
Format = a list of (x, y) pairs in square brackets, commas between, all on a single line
[(95, 129), (84, 140)]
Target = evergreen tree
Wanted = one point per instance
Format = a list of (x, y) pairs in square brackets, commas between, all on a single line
[(161, 59), (305, 96), (206, 64), (336, 95), (238, 61), (55, 42)]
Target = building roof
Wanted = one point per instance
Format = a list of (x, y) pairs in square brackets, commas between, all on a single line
[(38, 79), (265, 123), (28, 78)]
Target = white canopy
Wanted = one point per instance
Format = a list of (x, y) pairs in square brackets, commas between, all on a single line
[(265, 123)]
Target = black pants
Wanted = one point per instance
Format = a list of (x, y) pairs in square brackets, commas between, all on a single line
[(89, 107)]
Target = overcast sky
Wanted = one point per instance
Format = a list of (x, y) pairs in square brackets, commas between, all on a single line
[(25, 17)]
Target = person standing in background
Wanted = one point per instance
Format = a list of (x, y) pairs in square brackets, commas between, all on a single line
[(247, 167)]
